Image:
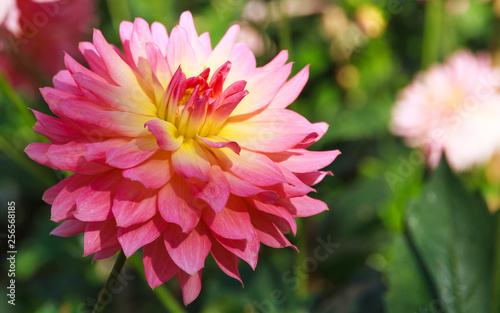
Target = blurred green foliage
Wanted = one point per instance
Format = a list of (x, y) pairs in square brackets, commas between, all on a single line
[(384, 261)]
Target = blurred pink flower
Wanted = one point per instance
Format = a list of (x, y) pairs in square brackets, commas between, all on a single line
[(452, 108), (35, 33), (179, 148)]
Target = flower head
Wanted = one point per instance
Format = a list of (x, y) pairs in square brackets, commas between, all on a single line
[(452, 108), (34, 34), (180, 149)]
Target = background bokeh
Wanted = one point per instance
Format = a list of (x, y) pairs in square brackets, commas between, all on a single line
[(398, 237)]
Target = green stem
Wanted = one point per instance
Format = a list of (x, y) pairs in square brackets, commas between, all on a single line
[(495, 307), (110, 282), (118, 11), (432, 42), (17, 102), (162, 293)]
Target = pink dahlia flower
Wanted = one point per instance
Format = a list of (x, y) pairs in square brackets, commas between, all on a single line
[(452, 108), (179, 148), (34, 34)]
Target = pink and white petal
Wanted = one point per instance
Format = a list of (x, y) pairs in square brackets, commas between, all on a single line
[(70, 157), (303, 206), (152, 173), (176, 205), (186, 22), (268, 131), (93, 204), (181, 53), (64, 81), (125, 29), (99, 236), (226, 261), (205, 42), (262, 88), (96, 151), (247, 250), (64, 204), (158, 266), (166, 134), (190, 250), (133, 153), (94, 60), (190, 161), (290, 90), (268, 232), (244, 64), (320, 130), (37, 151), (120, 123), (278, 210), (133, 203), (106, 253), (216, 192), (159, 64), (313, 178), (304, 161), (233, 222), (54, 129), (251, 167), (133, 238), (294, 188), (141, 34), (223, 50), (160, 36), (69, 228), (190, 284), (217, 143), (244, 189)]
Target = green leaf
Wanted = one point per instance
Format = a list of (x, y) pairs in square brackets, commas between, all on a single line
[(453, 233), (407, 290)]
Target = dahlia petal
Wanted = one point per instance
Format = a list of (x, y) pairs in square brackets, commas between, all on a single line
[(50, 194), (190, 250), (37, 151), (190, 284), (99, 236), (160, 36), (190, 161), (253, 168), (278, 61), (186, 22), (218, 143), (320, 130), (69, 228), (74, 67), (64, 204), (244, 189), (269, 234), (120, 123), (141, 34), (69, 157), (133, 204), (94, 203), (181, 53), (118, 69), (106, 253), (226, 261), (134, 237), (268, 83), (133, 153), (268, 131), (222, 51), (278, 210), (304, 161), (96, 151), (125, 29), (166, 134), (290, 90), (233, 222), (152, 173), (176, 205), (94, 60), (127, 99), (215, 192), (54, 129), (294, 188), (158, 63), (205, 42), (64, 82), (158, 266), (243, 63), (247, 250), (304, 206), (313, 178)]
